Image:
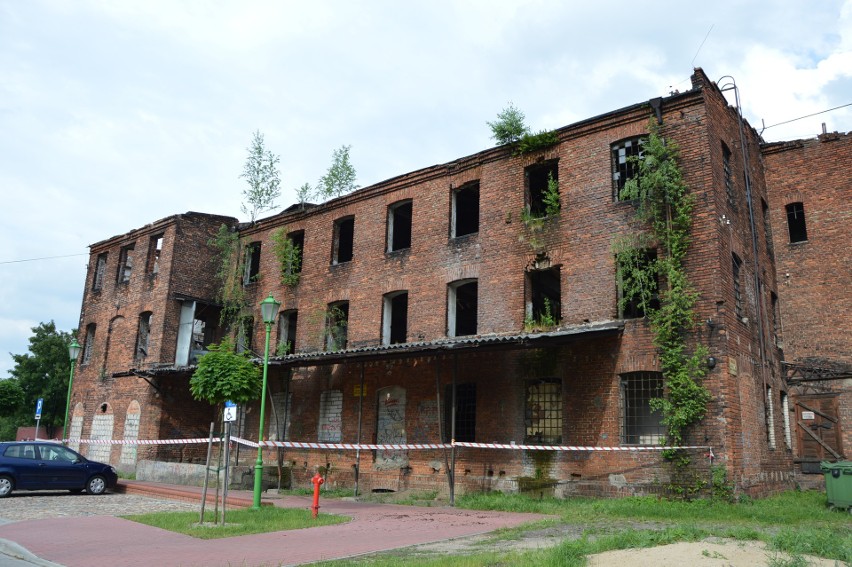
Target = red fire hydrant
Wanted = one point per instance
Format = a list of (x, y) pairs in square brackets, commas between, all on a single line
[(317, 482)]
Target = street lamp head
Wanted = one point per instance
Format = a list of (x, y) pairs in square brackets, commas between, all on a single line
[(74, 350), (269, 309)]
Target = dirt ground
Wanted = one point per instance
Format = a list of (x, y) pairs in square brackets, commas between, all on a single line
[(708, 553), (712, 552)]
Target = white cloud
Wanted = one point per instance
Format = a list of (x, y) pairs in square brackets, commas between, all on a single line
[(116, 114)]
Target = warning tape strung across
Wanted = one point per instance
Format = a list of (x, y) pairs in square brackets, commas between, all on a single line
[(572, 447), (142, 441), (387, 447)]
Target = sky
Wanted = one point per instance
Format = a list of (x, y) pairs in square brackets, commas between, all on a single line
[(114, 114)]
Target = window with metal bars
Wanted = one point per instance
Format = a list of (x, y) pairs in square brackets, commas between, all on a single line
[(729, 177), (625, 163), (543, 411), (640, 425), (736, 266)]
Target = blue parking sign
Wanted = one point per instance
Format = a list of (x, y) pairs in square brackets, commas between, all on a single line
[(39, 403)]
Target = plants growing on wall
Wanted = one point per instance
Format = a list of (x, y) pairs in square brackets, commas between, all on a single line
[(229, 272), (289, 257), (664, 206), (535, 224), (510, 128)]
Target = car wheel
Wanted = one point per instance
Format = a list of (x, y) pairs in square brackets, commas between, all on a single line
[(96, 485), (6, 485)]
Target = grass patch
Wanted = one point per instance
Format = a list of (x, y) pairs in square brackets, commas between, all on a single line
[(792, 525), (238, 522)]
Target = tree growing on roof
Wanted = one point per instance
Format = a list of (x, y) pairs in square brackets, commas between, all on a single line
[(261, 174), (509, 126), (340, 177)]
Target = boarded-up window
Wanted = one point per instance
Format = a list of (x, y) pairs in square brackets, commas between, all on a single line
[(100, 268), (125, 264), (330, 417)]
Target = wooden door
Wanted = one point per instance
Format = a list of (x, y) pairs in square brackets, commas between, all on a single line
[(818, 431)]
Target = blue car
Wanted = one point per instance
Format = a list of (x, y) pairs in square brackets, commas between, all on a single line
[(42, 465)]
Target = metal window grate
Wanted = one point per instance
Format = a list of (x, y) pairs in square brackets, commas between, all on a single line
[(639, 424), (543, 411), (736, 265)]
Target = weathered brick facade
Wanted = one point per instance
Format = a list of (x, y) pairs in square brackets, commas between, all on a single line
[(573, 385), (813, 259)]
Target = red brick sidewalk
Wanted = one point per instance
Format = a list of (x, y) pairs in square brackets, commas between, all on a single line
[(107, 540)]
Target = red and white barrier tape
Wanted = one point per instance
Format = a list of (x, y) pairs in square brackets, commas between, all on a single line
[(387, 447)]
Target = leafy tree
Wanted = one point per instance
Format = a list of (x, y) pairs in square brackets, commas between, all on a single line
[(509, 126), (11, 397), (41, 373), (222, 374), (261, 174), (304, 193), (340, 177)]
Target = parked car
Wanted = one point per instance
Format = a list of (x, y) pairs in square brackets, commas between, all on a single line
[(42, 465)]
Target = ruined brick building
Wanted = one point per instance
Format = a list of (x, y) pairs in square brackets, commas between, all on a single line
[(413, 318)]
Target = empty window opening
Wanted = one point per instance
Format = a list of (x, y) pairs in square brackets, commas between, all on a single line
[(729, 177), (544, 298), (465, 210), (736, 267), (297, 239), (538, 177), (465, 413), (543, 411), (344, 237), (641, 425), (625, 163), (770, 418), (336, 326), (125, 263), (143, 337), (251, 263), (395, 318), (637, 293), (462, 308), (287, 323), (100, 268), (89, 343), (245, 334), (155, 248), (796, 222), (785, 408), (767, 227), (399, 226)]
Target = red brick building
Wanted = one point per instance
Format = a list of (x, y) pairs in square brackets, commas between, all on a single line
[(809, 204), (418, 317)]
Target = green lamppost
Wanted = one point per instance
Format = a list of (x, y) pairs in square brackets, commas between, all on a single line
[(73, 351), (268, 310)]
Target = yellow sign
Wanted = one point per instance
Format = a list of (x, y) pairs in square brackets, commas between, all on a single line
[(358, 393)]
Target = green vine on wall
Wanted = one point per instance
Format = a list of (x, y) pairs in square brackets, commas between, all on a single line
[(664, 205), (289, 257), (534, 224), (229, 272)]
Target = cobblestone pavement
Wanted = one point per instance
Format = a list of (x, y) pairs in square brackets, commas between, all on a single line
[(41, 504)]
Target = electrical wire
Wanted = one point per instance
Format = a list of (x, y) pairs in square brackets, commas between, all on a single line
[(37, 259), (808, 116)]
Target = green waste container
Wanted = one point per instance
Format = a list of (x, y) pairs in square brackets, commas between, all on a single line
[(838, 483)]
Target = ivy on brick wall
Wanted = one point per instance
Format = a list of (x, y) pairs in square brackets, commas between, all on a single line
[(229, 272), (664, 208)]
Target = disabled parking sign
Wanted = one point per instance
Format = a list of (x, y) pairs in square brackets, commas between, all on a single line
[(230, 411)]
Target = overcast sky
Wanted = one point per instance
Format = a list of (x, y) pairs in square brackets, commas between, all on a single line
[(114, 114)]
